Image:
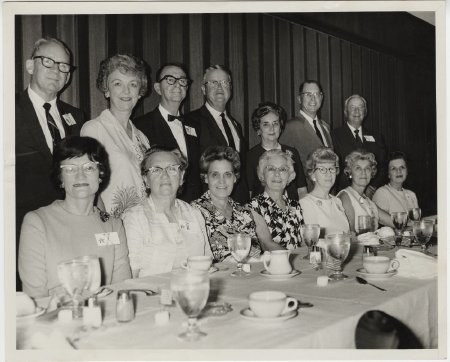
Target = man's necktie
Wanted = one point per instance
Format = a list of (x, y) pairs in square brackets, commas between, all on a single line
[(228, 131), (358, 139), (318, 132), (53, 128), (171, 118)]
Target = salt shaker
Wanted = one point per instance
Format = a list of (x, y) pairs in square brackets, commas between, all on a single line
[(124, 306)]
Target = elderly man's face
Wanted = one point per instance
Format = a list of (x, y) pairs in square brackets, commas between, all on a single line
[(171, 93), (355, 112), (310, 99), (217, 89), (47, 82)]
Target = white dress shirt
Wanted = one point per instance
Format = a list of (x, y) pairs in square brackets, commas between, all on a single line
[(38, 104), (353, 129), (176, 126), (310, 121), (216, 114)]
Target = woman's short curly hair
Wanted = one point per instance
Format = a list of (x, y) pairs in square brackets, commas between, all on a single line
[(76, 146), (219, 153), (397, 155), (264, 160), (321, 155), (126, 64), (356, 156), (266, 108)]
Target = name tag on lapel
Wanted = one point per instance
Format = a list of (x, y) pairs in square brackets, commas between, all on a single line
[(105, 239), (369, 138), (69, 119), (184, 225), (190, 131)]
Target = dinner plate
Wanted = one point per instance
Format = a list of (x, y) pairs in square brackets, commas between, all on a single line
[(39, 311), (293, 273), (369, 276), (248, 314)]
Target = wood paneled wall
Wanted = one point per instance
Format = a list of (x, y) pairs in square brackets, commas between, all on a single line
[(269, 57)]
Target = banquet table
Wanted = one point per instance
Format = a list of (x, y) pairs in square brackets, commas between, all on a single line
[(329, 323)]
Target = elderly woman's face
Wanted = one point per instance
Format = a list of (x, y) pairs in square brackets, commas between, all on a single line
[(324, 176), (276, 174), (361, 173), (163, 177), (269, 127), (123, 91), (397, 171), (220, 178), (79, 177)]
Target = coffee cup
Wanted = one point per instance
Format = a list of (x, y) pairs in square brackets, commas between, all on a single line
[(198, 262), (379, 264), (271, 304)]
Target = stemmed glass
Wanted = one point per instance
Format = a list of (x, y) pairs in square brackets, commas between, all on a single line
[(310, 235), (399, 219), (75, 276), (414, 214), (190, 288), (338, 247), (423, 230), (365, 224), (95, 279), (239, 245)]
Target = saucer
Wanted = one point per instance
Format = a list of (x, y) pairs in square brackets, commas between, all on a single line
[(248, 314), (39, 311), (369, 276), (293, 273)]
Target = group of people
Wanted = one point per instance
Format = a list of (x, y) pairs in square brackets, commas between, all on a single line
[(144, 194)]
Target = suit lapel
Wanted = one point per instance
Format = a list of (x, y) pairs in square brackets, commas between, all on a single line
[(164, 129), (213, 127)]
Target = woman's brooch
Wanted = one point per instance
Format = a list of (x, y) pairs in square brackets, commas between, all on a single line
[(104, 216), (319, 203)]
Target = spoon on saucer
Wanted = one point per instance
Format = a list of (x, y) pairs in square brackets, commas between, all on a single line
[(364, 281)]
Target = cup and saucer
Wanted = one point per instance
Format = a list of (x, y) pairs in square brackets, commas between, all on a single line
[(277, 265), (269, 307), (378, 267), (269, 275), (26, 309)]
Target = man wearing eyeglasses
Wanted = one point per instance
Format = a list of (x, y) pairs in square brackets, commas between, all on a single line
[(216, 126), (307, 131), (41, 121), (352, 136), (165, 125)]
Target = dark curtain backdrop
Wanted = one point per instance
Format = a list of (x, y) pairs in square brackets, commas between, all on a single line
[(389, 58)]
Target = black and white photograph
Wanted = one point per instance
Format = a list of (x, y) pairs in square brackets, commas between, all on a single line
[(222, 180)]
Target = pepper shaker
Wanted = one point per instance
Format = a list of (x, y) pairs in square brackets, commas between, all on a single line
[(124, 306)]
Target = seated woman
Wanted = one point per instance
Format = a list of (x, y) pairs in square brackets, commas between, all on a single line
[(268, 121), (219, 167), (71, 228), (393, 197), (360, 167), (282, 215), (318, 206), (163, 231)]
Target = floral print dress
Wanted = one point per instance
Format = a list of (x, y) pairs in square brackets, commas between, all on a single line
[(219, 227)]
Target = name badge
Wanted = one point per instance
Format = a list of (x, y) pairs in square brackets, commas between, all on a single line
[(69, 119), (190, 131), (369, 138), (185, 225), (105, 239)]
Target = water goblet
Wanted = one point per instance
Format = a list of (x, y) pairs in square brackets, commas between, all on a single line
[(399, 219), (414, 214), (365, 224), (190, 288), (338, 247), (239, 245), (310, 235), (75, 276), (422, 231), (95, 279)]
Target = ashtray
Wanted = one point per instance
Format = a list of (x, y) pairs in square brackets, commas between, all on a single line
[(215, 309)]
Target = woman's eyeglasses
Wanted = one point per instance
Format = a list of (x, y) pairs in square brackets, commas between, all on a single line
[(171, 170), (283, 170), (324, 170), (87, 168)]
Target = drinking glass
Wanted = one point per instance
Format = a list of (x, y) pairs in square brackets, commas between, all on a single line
[(95, 280), (190, 288), (414, 214), (310, 235), (423, 230), (338, 247), (239, 245), (75, 275), (399, 219), (365, 224)]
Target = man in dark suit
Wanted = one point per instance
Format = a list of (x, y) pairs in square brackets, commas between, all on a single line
[(214, 124), (42, 120), (165, 125), (307, 131), (352, 136)]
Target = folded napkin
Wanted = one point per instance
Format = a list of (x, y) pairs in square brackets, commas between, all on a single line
[(414, 264)]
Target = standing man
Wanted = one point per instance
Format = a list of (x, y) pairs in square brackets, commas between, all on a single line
[(165, 126), (216, 126), (352, 136), (307, 131), (42, 120)]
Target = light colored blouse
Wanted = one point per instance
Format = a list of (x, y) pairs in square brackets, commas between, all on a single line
[(126, 187), (328, 213), (391, 200), (157, 245)]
